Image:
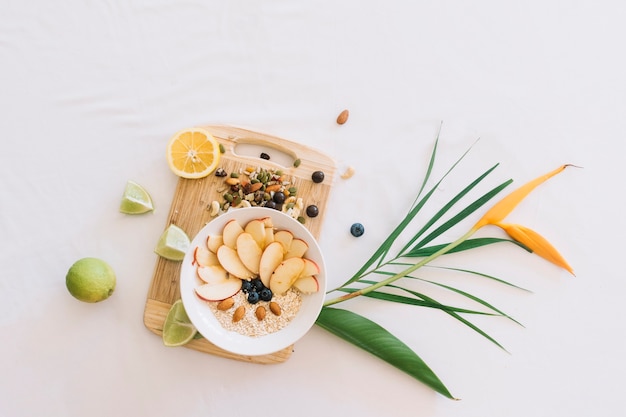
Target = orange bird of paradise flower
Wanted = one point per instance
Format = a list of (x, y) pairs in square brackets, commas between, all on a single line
[(527, 237)]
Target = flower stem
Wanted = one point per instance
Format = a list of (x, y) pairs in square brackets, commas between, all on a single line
[(404, 273)]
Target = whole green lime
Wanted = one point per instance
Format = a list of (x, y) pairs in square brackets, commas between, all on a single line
[(90, 280)]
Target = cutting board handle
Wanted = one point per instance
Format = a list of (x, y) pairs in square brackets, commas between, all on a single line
[(283, 152), (250, 148)]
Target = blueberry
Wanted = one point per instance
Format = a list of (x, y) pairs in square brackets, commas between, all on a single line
[(279, 197), (317, 176), (257, 284), (253, 297), (246, 286), (265, 294), (265, 156), (312, 211), (270, 204), (357, 229)]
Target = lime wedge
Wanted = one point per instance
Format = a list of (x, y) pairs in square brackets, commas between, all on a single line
[(173, 243), (177, 328), (135, 199)]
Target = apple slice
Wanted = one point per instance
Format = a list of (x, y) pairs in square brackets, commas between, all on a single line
[(297, 249), (249, 251), (204, 257), (214, 274), (256, 228), (285, 274), (285, 237), (269, 236), (267, 221), (307, 284), (271, 258), (232, 229), (310, 268), (230, 261), (214, 242), (219, 292)]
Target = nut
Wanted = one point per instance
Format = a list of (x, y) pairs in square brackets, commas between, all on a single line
[(349, 172), (343, 117), (238, 314), (254, 187), (273, 187), (226, 304), (260, 313), (232, 181), (275, 308), (214, 210)]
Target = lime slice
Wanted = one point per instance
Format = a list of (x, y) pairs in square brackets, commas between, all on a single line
[(173, 243), (136, 199), (177, 328)]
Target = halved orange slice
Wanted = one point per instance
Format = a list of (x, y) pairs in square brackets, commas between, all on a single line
[(193, 153)]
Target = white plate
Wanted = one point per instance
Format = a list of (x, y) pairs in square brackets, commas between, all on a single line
[(201, 315)]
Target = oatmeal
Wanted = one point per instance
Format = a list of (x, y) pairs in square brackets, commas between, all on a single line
[(250, 325)]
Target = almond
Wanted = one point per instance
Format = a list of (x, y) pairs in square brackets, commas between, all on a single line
[(254, 187), (225, 304), (232, 181), (238, 315), (260, 313), (275, 308), (343, 117), (273, 187)]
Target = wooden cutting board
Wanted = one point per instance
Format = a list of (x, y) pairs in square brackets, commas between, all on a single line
[(190, 211)]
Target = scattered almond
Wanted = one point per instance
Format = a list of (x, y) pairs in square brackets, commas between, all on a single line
[(343, 117), (275, 308), (225, 304), (260, 313), (238, 315)]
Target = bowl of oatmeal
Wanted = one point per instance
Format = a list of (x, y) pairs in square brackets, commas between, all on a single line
[(253, 281)]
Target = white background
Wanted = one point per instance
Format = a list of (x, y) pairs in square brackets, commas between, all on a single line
[(90, 92)]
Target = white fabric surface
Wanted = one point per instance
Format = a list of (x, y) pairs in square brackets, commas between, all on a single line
[(90, 91)]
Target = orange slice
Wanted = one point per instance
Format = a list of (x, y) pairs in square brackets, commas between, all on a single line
[(193, 153)]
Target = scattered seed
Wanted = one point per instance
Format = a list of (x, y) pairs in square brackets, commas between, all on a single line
[(222, 149), (297, 163)]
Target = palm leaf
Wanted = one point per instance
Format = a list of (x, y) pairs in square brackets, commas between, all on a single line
[(379, 295), (491, 277), (447, 207), (376, 340), (467, 245), (459, 318), (463, 214)]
